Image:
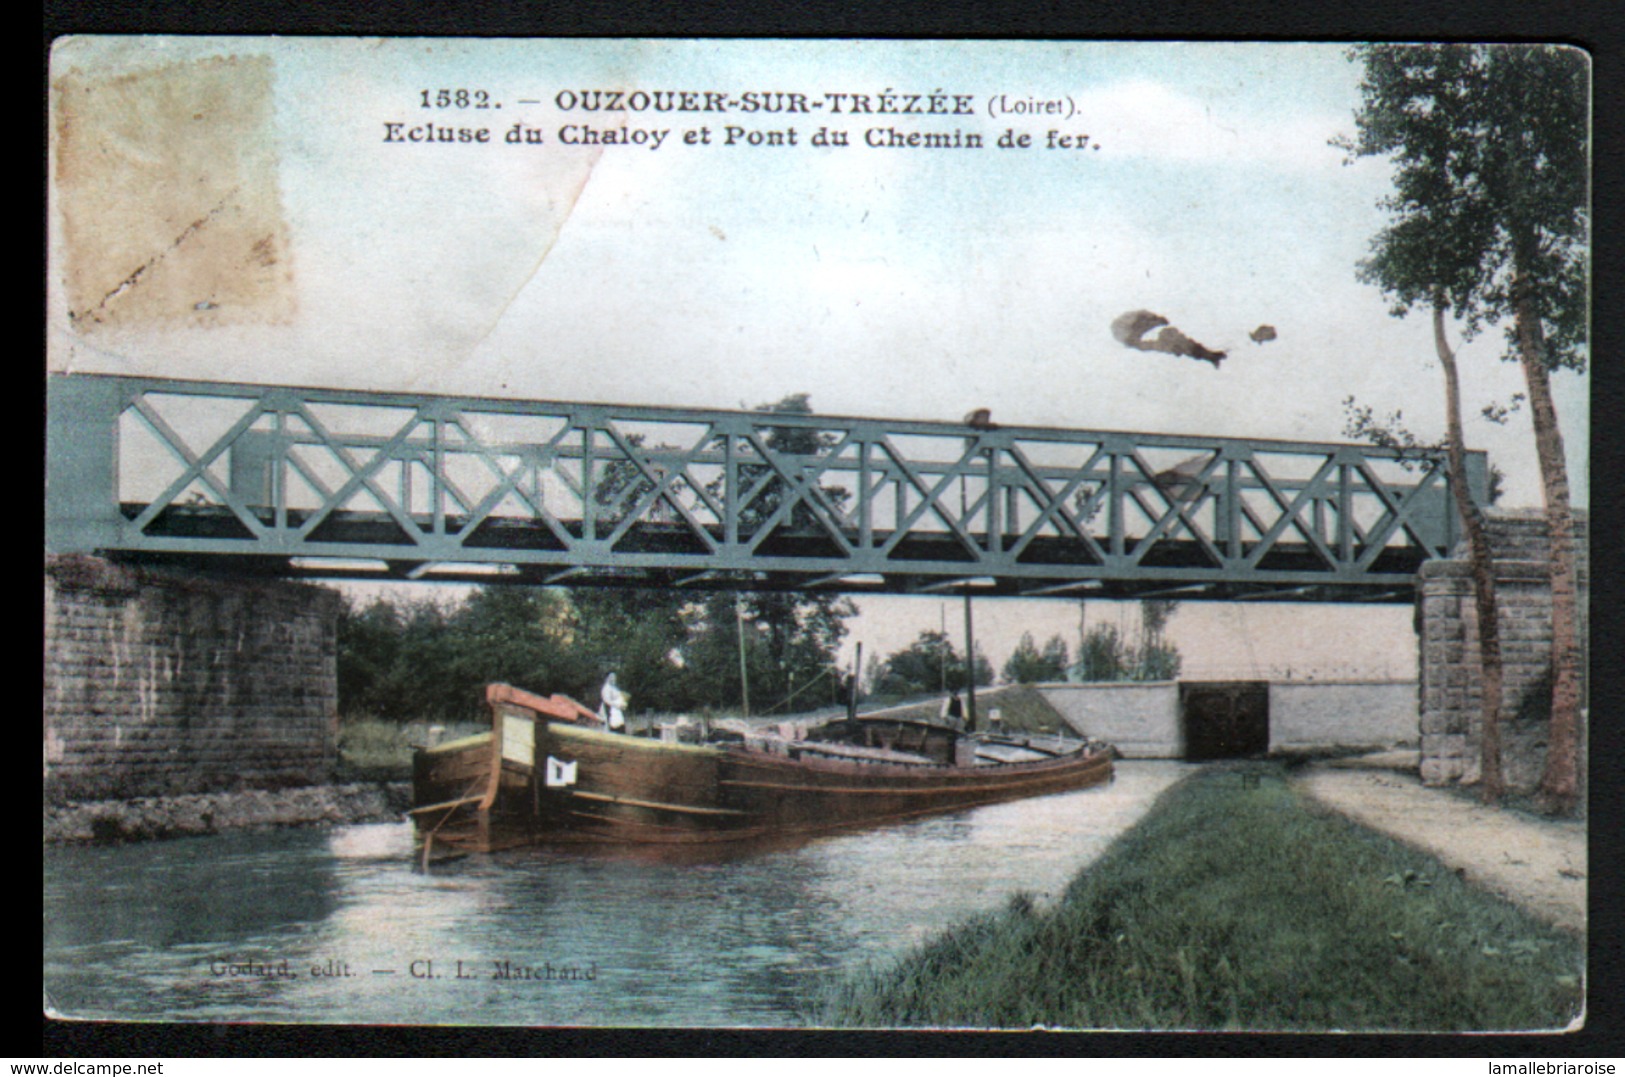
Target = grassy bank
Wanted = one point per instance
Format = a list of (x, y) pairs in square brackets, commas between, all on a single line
[(371, 749), (1237, 904)]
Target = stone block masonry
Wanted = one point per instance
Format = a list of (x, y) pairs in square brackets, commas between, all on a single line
[(160, 683), (1447, 627)]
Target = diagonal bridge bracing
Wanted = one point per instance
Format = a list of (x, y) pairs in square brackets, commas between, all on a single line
[(335, 483)]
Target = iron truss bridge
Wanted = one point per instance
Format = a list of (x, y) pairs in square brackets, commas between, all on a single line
[(361, 485)]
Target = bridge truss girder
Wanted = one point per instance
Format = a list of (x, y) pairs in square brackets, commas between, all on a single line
[(330, 483)]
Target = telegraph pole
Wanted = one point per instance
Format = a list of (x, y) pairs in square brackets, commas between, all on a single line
[(970, 667), (970, 632), (744, 675)]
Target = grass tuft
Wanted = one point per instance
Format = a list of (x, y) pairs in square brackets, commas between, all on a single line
[(1237, 904)]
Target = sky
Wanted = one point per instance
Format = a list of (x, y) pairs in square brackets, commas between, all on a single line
[(892, 282)]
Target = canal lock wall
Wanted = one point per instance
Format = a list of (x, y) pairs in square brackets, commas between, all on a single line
[(1148, 720)]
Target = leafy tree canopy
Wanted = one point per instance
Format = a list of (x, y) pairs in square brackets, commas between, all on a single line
[(790, 643), (1490, 149), (1029, 665), (919, 668), (1105, 654)]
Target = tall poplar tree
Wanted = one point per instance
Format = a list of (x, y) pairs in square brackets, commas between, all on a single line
[(1490, 220)]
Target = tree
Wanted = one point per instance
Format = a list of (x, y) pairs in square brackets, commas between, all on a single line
[(1157, 659), (1105, 655), (391, 660), (926, 665), (369, 659), (918, 669), (1100, 655), (790, 644), (429, 661), (1028, 665), (1483, 569), (983, 669), (873, 670), (525, 636), (422, 660), (1489, 220), (1055, 658), (638, 634)]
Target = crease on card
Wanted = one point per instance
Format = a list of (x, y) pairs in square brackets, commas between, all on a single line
[(571, 198)]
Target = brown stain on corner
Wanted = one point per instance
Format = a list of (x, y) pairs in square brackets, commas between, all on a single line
[(166, 188)]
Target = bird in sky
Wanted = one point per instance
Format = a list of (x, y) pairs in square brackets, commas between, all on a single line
[(1262, 334)]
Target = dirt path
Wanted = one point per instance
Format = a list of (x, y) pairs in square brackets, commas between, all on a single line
[(1537, 864)]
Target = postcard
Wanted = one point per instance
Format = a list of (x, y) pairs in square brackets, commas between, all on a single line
[(816, 533)]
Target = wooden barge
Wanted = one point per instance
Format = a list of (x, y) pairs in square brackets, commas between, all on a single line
[(548, 772)]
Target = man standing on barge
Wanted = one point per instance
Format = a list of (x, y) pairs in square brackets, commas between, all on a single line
[(613, 708)]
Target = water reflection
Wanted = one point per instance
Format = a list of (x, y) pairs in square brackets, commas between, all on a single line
[(162, 894), (543, 935)]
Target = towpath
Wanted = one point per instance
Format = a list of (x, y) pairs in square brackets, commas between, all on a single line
[(1539, 864)]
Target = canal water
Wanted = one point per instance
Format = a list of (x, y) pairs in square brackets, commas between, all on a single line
[(337, 926)]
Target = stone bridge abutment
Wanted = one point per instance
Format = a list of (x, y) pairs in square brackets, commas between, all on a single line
[(158, 683), (1447, 631)]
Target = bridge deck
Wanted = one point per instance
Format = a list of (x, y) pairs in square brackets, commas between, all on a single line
[(330, 483)]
